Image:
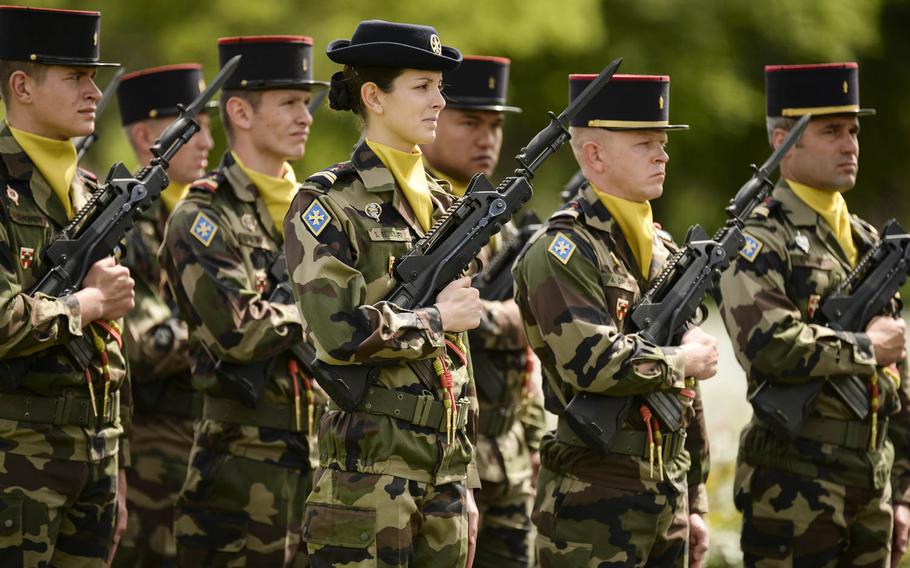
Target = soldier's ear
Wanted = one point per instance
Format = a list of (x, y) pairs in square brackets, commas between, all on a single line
[(372, 98), (778, 135), (141, 135), (21, 87), (594, 156), (240, 113)]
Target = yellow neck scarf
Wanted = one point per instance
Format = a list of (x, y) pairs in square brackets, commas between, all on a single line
[(637, 225), (55, 159), (832, 207), (172, 194), (407, 167), (276, 192), (458, 188)]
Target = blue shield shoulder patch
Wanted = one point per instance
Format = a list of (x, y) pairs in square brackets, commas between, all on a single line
[(316, 218), (562, 248), (204, 229), (751, 249)]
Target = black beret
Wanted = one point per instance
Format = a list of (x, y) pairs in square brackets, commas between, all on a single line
[(51, 37), (390, 44), (269, 62), (818, 89), (481, 82), (627, 102)]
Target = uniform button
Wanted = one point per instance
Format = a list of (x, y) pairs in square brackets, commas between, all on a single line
[(8, 523), (782, 548), (364, 536)]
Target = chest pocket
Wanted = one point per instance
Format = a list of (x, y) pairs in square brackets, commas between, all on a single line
[(29, 234), (379, 250), (812, 278)]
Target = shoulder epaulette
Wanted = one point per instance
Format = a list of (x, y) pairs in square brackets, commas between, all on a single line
[(663, 234), (326, 178), (767, 207), (89, 175), (869, 227), (208, 183)]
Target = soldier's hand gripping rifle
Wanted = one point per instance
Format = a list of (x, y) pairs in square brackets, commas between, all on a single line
[(85, 142), (666, 310), (868, 291), (451, 244), (97, 229)]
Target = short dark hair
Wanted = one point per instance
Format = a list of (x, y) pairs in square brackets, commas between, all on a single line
[(36, 71), (252, 97)]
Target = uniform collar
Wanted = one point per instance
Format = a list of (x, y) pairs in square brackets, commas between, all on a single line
[(598, 217), (377, 178), (801, 215), (245, 190), (21, 168)]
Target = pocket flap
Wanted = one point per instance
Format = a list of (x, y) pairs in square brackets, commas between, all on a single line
[(11, 521), (351, 527), (813, 261)]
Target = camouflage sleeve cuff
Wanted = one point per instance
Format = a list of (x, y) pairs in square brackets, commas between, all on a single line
[(73, 313), (473, 478), (123, 452), (676, 367), (433, 322), (863, 354), (900, 489), (698, 499)]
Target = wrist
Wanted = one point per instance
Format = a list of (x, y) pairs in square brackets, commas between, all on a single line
[(89, 304)]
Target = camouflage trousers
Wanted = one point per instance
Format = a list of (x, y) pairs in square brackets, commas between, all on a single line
[(505, 533), (791, 520), (235, 511), (582, 524), (358, 519), (56, 512), (160, 446)]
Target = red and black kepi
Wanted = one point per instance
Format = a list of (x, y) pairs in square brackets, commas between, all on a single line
[(156, 92), (270, 62), (627, 102), (481, 82), (818, 89), (51, 37)]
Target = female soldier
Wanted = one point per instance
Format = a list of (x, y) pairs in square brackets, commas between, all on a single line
[(394, 487)]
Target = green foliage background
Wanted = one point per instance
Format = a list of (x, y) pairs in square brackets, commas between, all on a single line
[(713, 50)]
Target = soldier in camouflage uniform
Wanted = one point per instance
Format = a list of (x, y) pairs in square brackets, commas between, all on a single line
[(251, 461), (61, 426), (511, 420), (156, 339), (640, 504), (825, 497), (394, 487)]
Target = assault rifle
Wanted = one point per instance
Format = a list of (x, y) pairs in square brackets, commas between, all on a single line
[(84, 143), (97, 229), (665, 310), (867, 292), (441, 255), (495, 281)]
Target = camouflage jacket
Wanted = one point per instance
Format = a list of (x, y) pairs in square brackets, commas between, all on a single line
[(155, 336), (574, 284), (344, 230), (219, 245), (791, 262), (508, 391), (33, 330)]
